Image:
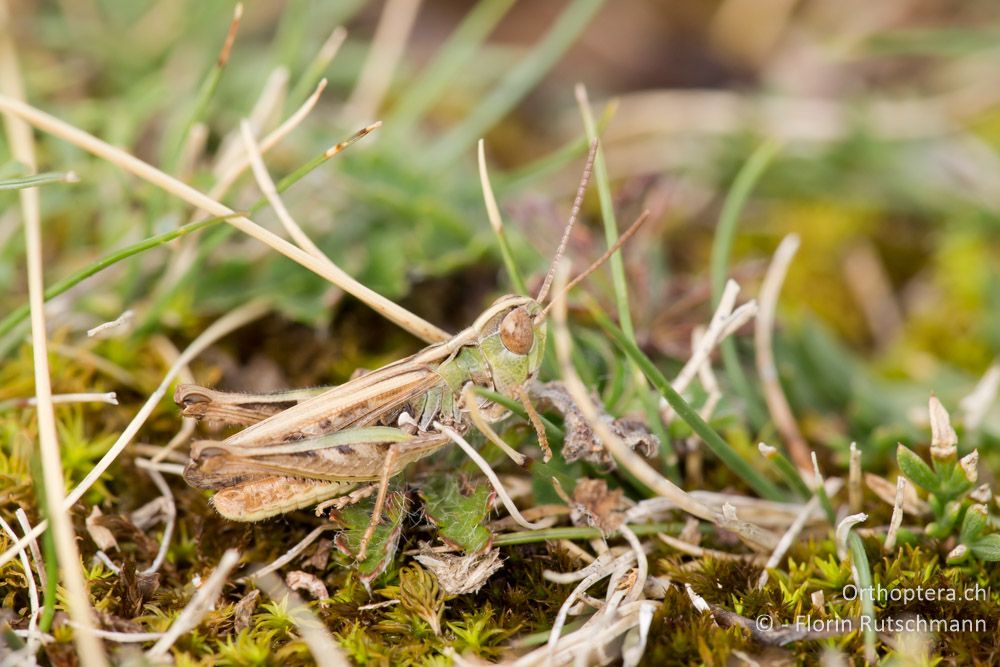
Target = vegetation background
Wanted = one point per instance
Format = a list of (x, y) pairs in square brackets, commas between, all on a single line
[(870, 131)]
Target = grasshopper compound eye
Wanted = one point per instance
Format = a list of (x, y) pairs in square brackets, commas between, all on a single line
[(517, 332)]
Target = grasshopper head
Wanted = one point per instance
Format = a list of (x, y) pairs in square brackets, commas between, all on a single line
[(512, 341)]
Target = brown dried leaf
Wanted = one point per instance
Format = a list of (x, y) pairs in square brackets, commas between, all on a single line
[(298, 580), (101, 536), (595, 505), (458, 575), (244, 609), (886, 491), (321, 554)]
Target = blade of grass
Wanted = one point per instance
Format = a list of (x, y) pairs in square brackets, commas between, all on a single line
[(583, 533), (315, 70), (22, 148), (863, 578), (388, 43), (39, 179), (603, 183), (88, 142), (20, 314), (719, 447), (49, 555), (722, 246), (521, 79), (455, 54), (206, 90), (496, 222)]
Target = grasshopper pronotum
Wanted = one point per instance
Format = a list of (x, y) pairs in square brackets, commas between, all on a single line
[(301, 448)]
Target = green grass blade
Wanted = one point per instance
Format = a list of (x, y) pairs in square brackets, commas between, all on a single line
[(603, 183), (578, 533), (449, 60), (37, 179), (713, 440), (864, 570), (722, 246), (521, 79)]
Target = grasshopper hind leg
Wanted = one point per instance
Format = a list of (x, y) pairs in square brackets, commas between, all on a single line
[(263, 498)]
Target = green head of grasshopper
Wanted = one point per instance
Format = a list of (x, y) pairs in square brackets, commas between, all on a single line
[(512, 341)]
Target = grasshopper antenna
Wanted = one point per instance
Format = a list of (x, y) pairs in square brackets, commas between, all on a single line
[(588, 167), (633, 228)]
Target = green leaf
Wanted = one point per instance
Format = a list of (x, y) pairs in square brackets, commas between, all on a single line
[(987, 548), (459, 512), (382, 546), (916, 470), (973, 524)]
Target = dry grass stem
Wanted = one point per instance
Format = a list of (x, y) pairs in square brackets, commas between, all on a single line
[(47, 123), (118, 325), (108, 397), (201, 602), (774, 395), (229, 172), (701, 552), (618, 449), (977, 404), (787, 539), (270, 192), (387, 45), (324, 648), (36, 553), (286, 557), (22, 148), (843, 529), (169, 514), (263, 113), (897, 516), (32, 646), (854, 489)]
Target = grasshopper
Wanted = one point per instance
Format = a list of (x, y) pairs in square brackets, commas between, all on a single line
[(301, 448)]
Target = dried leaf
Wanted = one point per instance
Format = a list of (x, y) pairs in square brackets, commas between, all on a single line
[(101, 536), (244, 609), (595, 505), (321, 554), (459, 575), (944, 440), (886, 491), (298, 580)]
